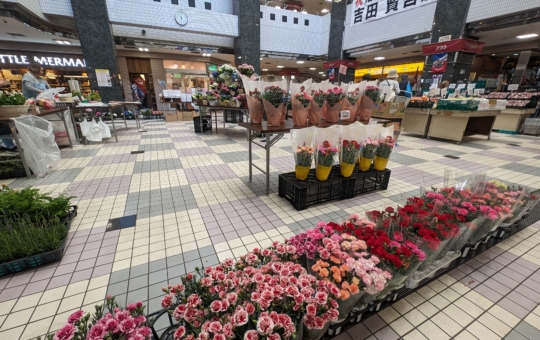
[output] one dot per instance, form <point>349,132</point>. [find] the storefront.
<point>67,70</point>
<point>184,75</point>
<point>380,72</point>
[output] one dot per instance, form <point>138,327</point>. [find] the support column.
<point>247,47</point>
<point>521,67</point>
<point>126,82</point>
<point>335,44</point>
<point>450,19</point>
<point>97,44</point>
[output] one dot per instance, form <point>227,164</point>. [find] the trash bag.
<point>40,150</point>
<point>94,133</point>
<point>105,131</point>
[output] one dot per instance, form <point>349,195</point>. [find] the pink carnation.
<point>65,333</point>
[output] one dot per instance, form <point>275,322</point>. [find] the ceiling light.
<point>265,69</point>
<point>239,57</point>
<point>526,36</point>
<point>279,66</point>
<point>61,42</point>
<point>516,53</point>
<point>379,58</point>
<point>312,68</point>
<point>175,65</point>
<point>183,66</point>
<point>292,77</point>
<point>304,12</point>
<point>278,7</point>
<point>145,49</point>
<point>260,58</point>
<point>493,54</point>
<point>294,10</point>
<point>204,54</point>
<point>300,62</point>
<point>321,72</point>
<point>67,42</point>
<point>324,10</point>
<point>141,49</point>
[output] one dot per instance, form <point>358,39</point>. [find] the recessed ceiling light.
<point>516,53</point>
<point>145,49</point>
<point>493,54</point>
<point>141,49</point>
<point>312,68</point>
<point>260,58</point>
<point>183,66</point>
<point>321,72</point>
<point>175,65</point>
<point>295,10</point>
<point>324,10</point>
<point>239,57</point>
<point>304,12</point>
<point>300,62</point>
<point>67,42</point>
<point>507,57</point>
<point>61,42</point>
<point>526,36</point>
<point>265,69</point>
<point>280,66</point>
<point>379,58</point>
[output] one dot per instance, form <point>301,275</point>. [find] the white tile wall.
<point>289,37</point>
<point>169,35</point>
<point>203,27</point>
<point>31,5</point>
<point>484,9</point>
<point>57,7</point>
<point>221,6</point>
<point>325,34</point>
<point>399,25</point>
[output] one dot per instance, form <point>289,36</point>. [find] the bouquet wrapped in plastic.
<point>274,105</point>
<point>333,104</point>
<point>369,146</point>
<point>300,102</point>
<point>351,104</point>
<point>326,145</point>
<point>349,151</point>
<point>254,101</point>
<point>302,144</point>
<point>387,141</point>
<point>368,101</point>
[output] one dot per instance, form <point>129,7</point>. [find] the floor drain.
<point>121,223</point>
<point>513,144</point>
<point>450,156</point>
<point>137,152</point>
<point>144,131</point>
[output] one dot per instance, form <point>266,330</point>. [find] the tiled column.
<point>126,82</point>
<point>450,19</point>
<point>158,73</point>
<point>97,44</point>
<point>247,47</point>
<point>335,43</point>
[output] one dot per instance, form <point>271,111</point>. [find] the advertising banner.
<point>465,45</point>
<point>439,63</point>
<point>368,10</point>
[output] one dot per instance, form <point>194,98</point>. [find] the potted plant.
<point>212,98</point>
<point>334,99</point>
<point>198,98</point>
<point>300,107</point>
<point>273,104</point>
<point>94,97</point>
<point>315,109</point>
<point>13,105</point>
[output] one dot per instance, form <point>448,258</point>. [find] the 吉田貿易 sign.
<point>368,10</point>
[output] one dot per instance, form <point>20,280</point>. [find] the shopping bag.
<point>105,131</point>
<point>94,133</point>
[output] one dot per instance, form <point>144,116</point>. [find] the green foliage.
<point>274,95</point>
<point>30,202</point>
<point>22,236</point>
<point>12,99</point>
<point>94,96</point>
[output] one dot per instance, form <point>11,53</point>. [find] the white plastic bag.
<point>37,138</point>
<point>105,131</point>
<point>85,126</point>
<point>94,133</point>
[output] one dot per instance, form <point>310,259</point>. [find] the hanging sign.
<point>465,45</point>
<point>368,10</point>
<point>103,77</point>
<point>342,69</point>
<point>336,63</point>
<point>439,63</point>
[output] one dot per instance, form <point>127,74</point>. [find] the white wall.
<point>414,21</point>
<point>288,37</point>
<point>57,7</point>
<point>484,9</point>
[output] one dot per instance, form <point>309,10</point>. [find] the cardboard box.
<point>171,117</point>
<point>389,110</point>
<point>187,115</point>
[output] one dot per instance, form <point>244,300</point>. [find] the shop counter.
<point>512,119</point>
<point>416,121</point>
<point>454,124</point>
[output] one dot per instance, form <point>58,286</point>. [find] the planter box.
<point>303,194</point>
<point>13,110</point>
<point>37,260</point>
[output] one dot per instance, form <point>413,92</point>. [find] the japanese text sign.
<point>466,45</point>
<point>368,10</point>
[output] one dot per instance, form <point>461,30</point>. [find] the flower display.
<point>373,93</point>
<point>334,96</point>
<point>326,154</point>
<point>246,70</point>
<point>304,98</point>
<point>352,97</point>
<point>274,95</point>
<point>304,155</point>
<point>350,151</point>
<point>319,97</point>
<point>386,145</point>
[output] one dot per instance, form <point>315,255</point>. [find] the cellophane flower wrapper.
<point>331,136</point>
<point>370,142</point>
<point>387,141</point>
<point>255,106</point>
<point>302,140</point>
<point>350,133</point>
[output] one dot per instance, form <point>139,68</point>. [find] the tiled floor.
<point>194,206</point>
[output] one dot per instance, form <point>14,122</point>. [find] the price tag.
<point>471,86</point>
<point>346,114</point>
<point>452,86</point>
<point>513,87</point>
<point>461,86</point>
<point>434,92</point>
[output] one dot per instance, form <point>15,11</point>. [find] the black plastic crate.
<point>365,181</point>
<point>233,116</point>
<point>13,174</point>
<point>206,123</point>
<point>303,194</point>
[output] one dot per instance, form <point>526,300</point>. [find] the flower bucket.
<point>315,112</point>
<point>314,334</point>
<point>332,112</point>
<point>364,163</point>
<point>274,115</point>
<point>256,110</point>
<point>299,113</point>
<point>302,172</point>
<point>380,163</point>
<point>364,302</point>
<point>346,306</point>
<point>346,169</point>
<point>352,108</point>
<point>322,172</point>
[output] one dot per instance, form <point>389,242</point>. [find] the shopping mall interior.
<point>256,169</point>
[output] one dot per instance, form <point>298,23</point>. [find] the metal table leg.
<point>269,143</point>
<point>267,147</point>
<point>201,113</point>
<point>250,155</point>
<point>114,128</point>
<point>215,115</point>
<point>19,147</point>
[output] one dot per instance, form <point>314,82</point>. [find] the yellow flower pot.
<point>322,172</point>
<point>364,163</point>
<point>346,169</point>
<point>302,172</point>
<point>380,163</point>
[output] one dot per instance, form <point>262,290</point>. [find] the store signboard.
<point>368,10</point>
<point>18,59</point>
<point>466,45</point>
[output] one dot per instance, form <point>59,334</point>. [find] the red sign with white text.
<point>336,63</point>
<point>465,45</point>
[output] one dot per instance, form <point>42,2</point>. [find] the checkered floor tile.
<point>195,206</point>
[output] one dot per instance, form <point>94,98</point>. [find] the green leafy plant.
<point>23,236</point>
<point>274,95</point>
<point>29,201</point>
<point>318,97</point>
<point>12,99</point>
<point>94,96</point>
